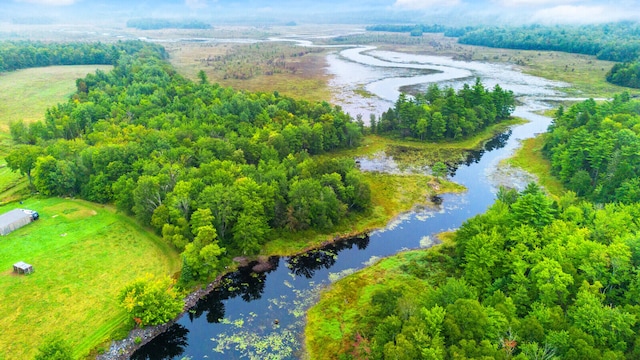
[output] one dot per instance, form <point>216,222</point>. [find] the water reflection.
<point>307,264</point>
<point>474,156</point>
<point>168,345</point>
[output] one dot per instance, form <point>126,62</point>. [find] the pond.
<point>260,315</point>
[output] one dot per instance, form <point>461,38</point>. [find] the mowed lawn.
<point>26,94</point>
<point>83,254</point>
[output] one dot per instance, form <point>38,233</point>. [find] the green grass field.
<point>82,254</point>
<point>26,94</point>
<point>529,158</point>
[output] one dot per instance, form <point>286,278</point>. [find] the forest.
<point>16,55</point>
<point>444,114</point>
<point>593,149</point>
<point>625,74</point>
<point>532,278</point>
<point>211,169</point>
<point>614,42</point>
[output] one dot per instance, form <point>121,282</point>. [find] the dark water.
<point>261,315</point>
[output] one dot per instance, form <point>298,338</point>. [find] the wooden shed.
<point>16,219</point>
<point>22,268</point>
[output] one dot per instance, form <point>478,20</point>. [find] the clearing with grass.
<point>83,254</point>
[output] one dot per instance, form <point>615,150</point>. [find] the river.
<point>261,315</point>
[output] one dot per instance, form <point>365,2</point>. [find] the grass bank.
<point>331,323</point>
<point>83,254</point>
<point>529,157</point>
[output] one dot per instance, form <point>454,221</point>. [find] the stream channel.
<point>261,315</point>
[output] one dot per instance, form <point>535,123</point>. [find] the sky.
<point>456,12</point>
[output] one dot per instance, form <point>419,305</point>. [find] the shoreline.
<point>124,348</point>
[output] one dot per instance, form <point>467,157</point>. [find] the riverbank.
<point>393,196</point>
<point>137,338</point>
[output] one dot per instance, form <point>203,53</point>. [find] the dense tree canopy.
<point>593,149</point>
<point>16,55</point>
<point>212,169</point>
<point>446,114</point>
<point>532,278</point>
<point>625,74</point>
<point>615,41</point>
<point>564,287</point>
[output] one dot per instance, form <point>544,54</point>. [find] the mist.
<point>447,12</point>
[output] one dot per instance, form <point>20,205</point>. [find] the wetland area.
<point>261,314</point>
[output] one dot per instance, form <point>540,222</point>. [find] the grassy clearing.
<point>83,254</point>
<point>529,157</point>
<point>26,94</point>
<point>308,81</point>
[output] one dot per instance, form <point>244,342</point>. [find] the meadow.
<point>82,254</point>
<point>25,95</point>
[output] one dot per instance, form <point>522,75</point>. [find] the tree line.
<point>156,24</point>
<point>418,29</point>
<point>625,74</point>
<point>614,41</point>
<point>212,169</point>
<point>446,114</point>
<point>593,149</point>
<point>16,55</point>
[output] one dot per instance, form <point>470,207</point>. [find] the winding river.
<point>261,315</point>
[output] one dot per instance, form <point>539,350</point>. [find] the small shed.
<point>22,268</point>
<point>15,219</point>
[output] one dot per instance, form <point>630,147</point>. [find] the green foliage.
<point>439,170</point>
<point>54,349</point>
<point>16,55</point>
<point>445,114</point>
<point>530,278</point>
<point>151,300</point>
<point>625,74</point>
<point>23,159</point>
<point>614,41</point>
<point>593,149</point>
<point>183,157</point>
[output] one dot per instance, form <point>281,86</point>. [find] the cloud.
<point>49,2</point>
<point>424,4</point>
<point>515,3</point>
<point>569,14</point>
<point>196,4</point>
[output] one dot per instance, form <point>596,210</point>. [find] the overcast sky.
<point>463,11</point>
